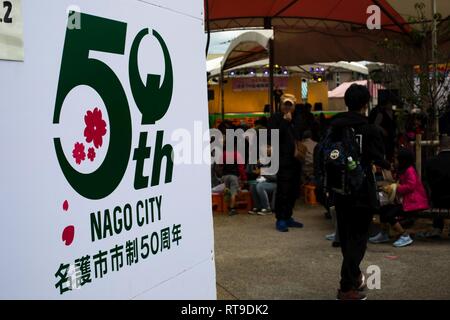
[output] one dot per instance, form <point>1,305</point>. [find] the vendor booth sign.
<point>258,83</point>
<point>93,205</point>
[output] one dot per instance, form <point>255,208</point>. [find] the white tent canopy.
<point>248,47</point>
<point>213,66</point>
<point>352,66</point>
<point>250,50</point>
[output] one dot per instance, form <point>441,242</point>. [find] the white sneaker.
<point>330,237</point>
<point>403,241</point>
<point>379,238</point>
<point>434,234</point>
<point>264,212</point>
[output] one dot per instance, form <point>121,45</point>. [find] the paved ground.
<point>254,261</point>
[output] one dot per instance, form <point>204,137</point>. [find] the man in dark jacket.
<point>304,120</point>
<point>437,179</point>
<point>288,176</point>
<point>444,121</point>
<point>385,118</point>
<point>354,213</point>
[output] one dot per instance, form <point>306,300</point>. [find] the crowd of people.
<point>297,126</point>
<point>378,177</point>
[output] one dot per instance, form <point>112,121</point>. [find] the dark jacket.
<point>371,139</point>
<point>287,140</point>
<point>372,152</point>
<point>304,121</point>
<point>388,124</point>
<point>444,123</point>
<point>437,178</point>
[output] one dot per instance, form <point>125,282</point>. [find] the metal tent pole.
<point>222,92</point>
<point>271,77</point>
<point>434,58</point>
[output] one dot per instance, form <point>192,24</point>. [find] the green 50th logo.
<point>153,100</point>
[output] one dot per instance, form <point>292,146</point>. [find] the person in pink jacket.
<point>411,192</point>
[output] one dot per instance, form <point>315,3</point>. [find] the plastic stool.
<point>217,202</point>
<point>446,230</point>
<point>310,195</point>
<point>243,201</point>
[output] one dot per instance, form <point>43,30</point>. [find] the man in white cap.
<point>288,176</point>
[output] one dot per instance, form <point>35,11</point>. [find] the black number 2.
<point>8,6</point>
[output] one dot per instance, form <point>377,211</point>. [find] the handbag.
<point>300,151</point>
<point>388,198</point>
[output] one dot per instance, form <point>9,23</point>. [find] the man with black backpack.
<point>346,154</point>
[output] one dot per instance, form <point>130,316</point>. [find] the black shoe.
<point>351,295</point>
<point>282,226</point>
<point>361,283</point>
<point>336,244</point>
<point>291,223</point>
<point>232,212</point>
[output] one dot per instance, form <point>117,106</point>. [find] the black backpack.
<point>338,166</point>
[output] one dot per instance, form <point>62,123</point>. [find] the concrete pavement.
<point>254,261</point>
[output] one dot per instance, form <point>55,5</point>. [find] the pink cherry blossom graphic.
<point>66,205</point>
<point>95,127</point>
<point>78,153</point>
<point>91,154</point>
<point>68,235</point>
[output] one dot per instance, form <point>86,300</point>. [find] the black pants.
<point>390,213</point>
<point>288,188</point>
<point>353,222</point>
<point>439,223</point>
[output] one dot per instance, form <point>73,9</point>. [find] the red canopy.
<point>226,14</point>
<point>307,31</point>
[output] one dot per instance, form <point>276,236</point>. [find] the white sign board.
<point>93,204</point>
<point>11,28</point>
